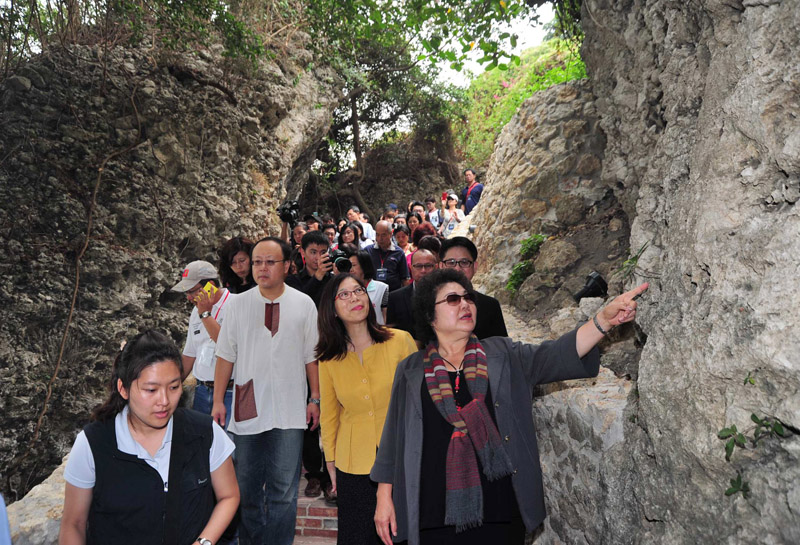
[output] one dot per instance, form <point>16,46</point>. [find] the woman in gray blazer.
<point>458,460</point>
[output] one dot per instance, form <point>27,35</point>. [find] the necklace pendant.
<point>458,381</point>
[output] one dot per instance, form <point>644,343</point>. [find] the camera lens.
<point>343,264</point>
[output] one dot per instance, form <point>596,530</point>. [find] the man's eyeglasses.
<point>424,266</point>
<point>266,262</point>
<point>461,263</point>
<point>347,294</point>
<point>454,299</point>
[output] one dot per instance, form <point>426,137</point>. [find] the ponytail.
<point>140,352</point>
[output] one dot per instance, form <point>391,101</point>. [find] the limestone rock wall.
<point>544,179</point>
<point>699,103</point>
<point>182,154</point>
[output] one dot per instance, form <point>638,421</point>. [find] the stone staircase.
<point>316,520</point>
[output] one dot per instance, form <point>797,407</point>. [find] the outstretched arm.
<point>622,309</point>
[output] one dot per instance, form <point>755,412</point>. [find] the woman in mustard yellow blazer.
<point>357,361</point>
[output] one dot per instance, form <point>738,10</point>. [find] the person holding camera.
<point>317,266</point>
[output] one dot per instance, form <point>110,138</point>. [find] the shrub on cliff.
<point>495,96</point>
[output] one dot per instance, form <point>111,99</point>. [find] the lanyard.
<point>219,308</point>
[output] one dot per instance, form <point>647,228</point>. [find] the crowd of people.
<point>361,353</point>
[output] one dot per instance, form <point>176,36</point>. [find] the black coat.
<point>400,313</point>
<point>490,317</point>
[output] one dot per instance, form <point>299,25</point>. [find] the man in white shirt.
<point>201,338</point>
<point>267,345</point>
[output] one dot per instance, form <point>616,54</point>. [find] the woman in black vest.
<point>146,471</point>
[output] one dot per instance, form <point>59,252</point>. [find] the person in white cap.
<point>204,325</point>
<point>452,216</point>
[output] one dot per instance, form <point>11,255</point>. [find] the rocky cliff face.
<point>699,103</point>
<point>164,158</point>
<point>699,106</point>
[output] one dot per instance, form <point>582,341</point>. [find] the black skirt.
<point>356,503</point>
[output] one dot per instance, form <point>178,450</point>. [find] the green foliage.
<point>519,273</point>
<point>530,246</point>
<point>738,485</point>
<point>523,269</point>
<point>628,268</point>
<point>441,32</point>
<point>765,427</point>
<point>29,27</point>
<point>495,96</point>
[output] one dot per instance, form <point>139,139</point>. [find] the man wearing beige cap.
<point>200,283</point>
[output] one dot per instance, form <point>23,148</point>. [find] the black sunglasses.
<point>454,299</point>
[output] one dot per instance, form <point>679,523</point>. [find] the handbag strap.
<point>172,515</point>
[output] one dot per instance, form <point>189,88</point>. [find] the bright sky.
<point>529,35</point>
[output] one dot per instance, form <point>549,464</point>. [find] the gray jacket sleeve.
<point>553,361</point>
<point>383,471</point>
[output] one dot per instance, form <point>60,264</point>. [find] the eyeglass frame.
<point>265,262</point>
<point>348,294</point>
<point>457,263</point>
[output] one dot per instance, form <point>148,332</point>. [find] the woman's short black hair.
<point>226,254</point>
<point>424,301</point>
<point>366,264</point>
<point>402,228</point>
<point>333,337</point>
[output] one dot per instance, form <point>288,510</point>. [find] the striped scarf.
<point>474,433</point>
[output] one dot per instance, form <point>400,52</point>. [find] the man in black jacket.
<point>461,253</point>
<point>399,313</point>
<point>311,280</point>
<point>317,271</point>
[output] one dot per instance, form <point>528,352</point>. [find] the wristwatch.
<point>204,541</point>
<point>203,316</point>
<point>314,400</point>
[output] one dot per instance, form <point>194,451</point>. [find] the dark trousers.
<point>313,458</point>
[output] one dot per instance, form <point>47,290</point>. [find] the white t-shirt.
<point>276,364</point>
<point>80,471</point>
<point>451,220</point>
<point>198,343</point>
<point>434,219</point>
<point>369,230</point>
<point>379,297</point>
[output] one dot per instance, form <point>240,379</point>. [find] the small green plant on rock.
<point>530,246</point>
<point>629,266</point>
<point>764,427</point>
<point>522,270</point>
<point>519,273</point>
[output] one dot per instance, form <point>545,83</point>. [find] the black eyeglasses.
<point>454,299</point>
<point>462,263</point>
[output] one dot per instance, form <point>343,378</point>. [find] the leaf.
<point>729,446</point>
<point>514,41</point>
<point>502,66</point>
<point>740,440</point>
<point>724,433</point>
<point>755,418</point>
<point>777,427</point>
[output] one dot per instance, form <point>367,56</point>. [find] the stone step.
<point>316,520</point>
